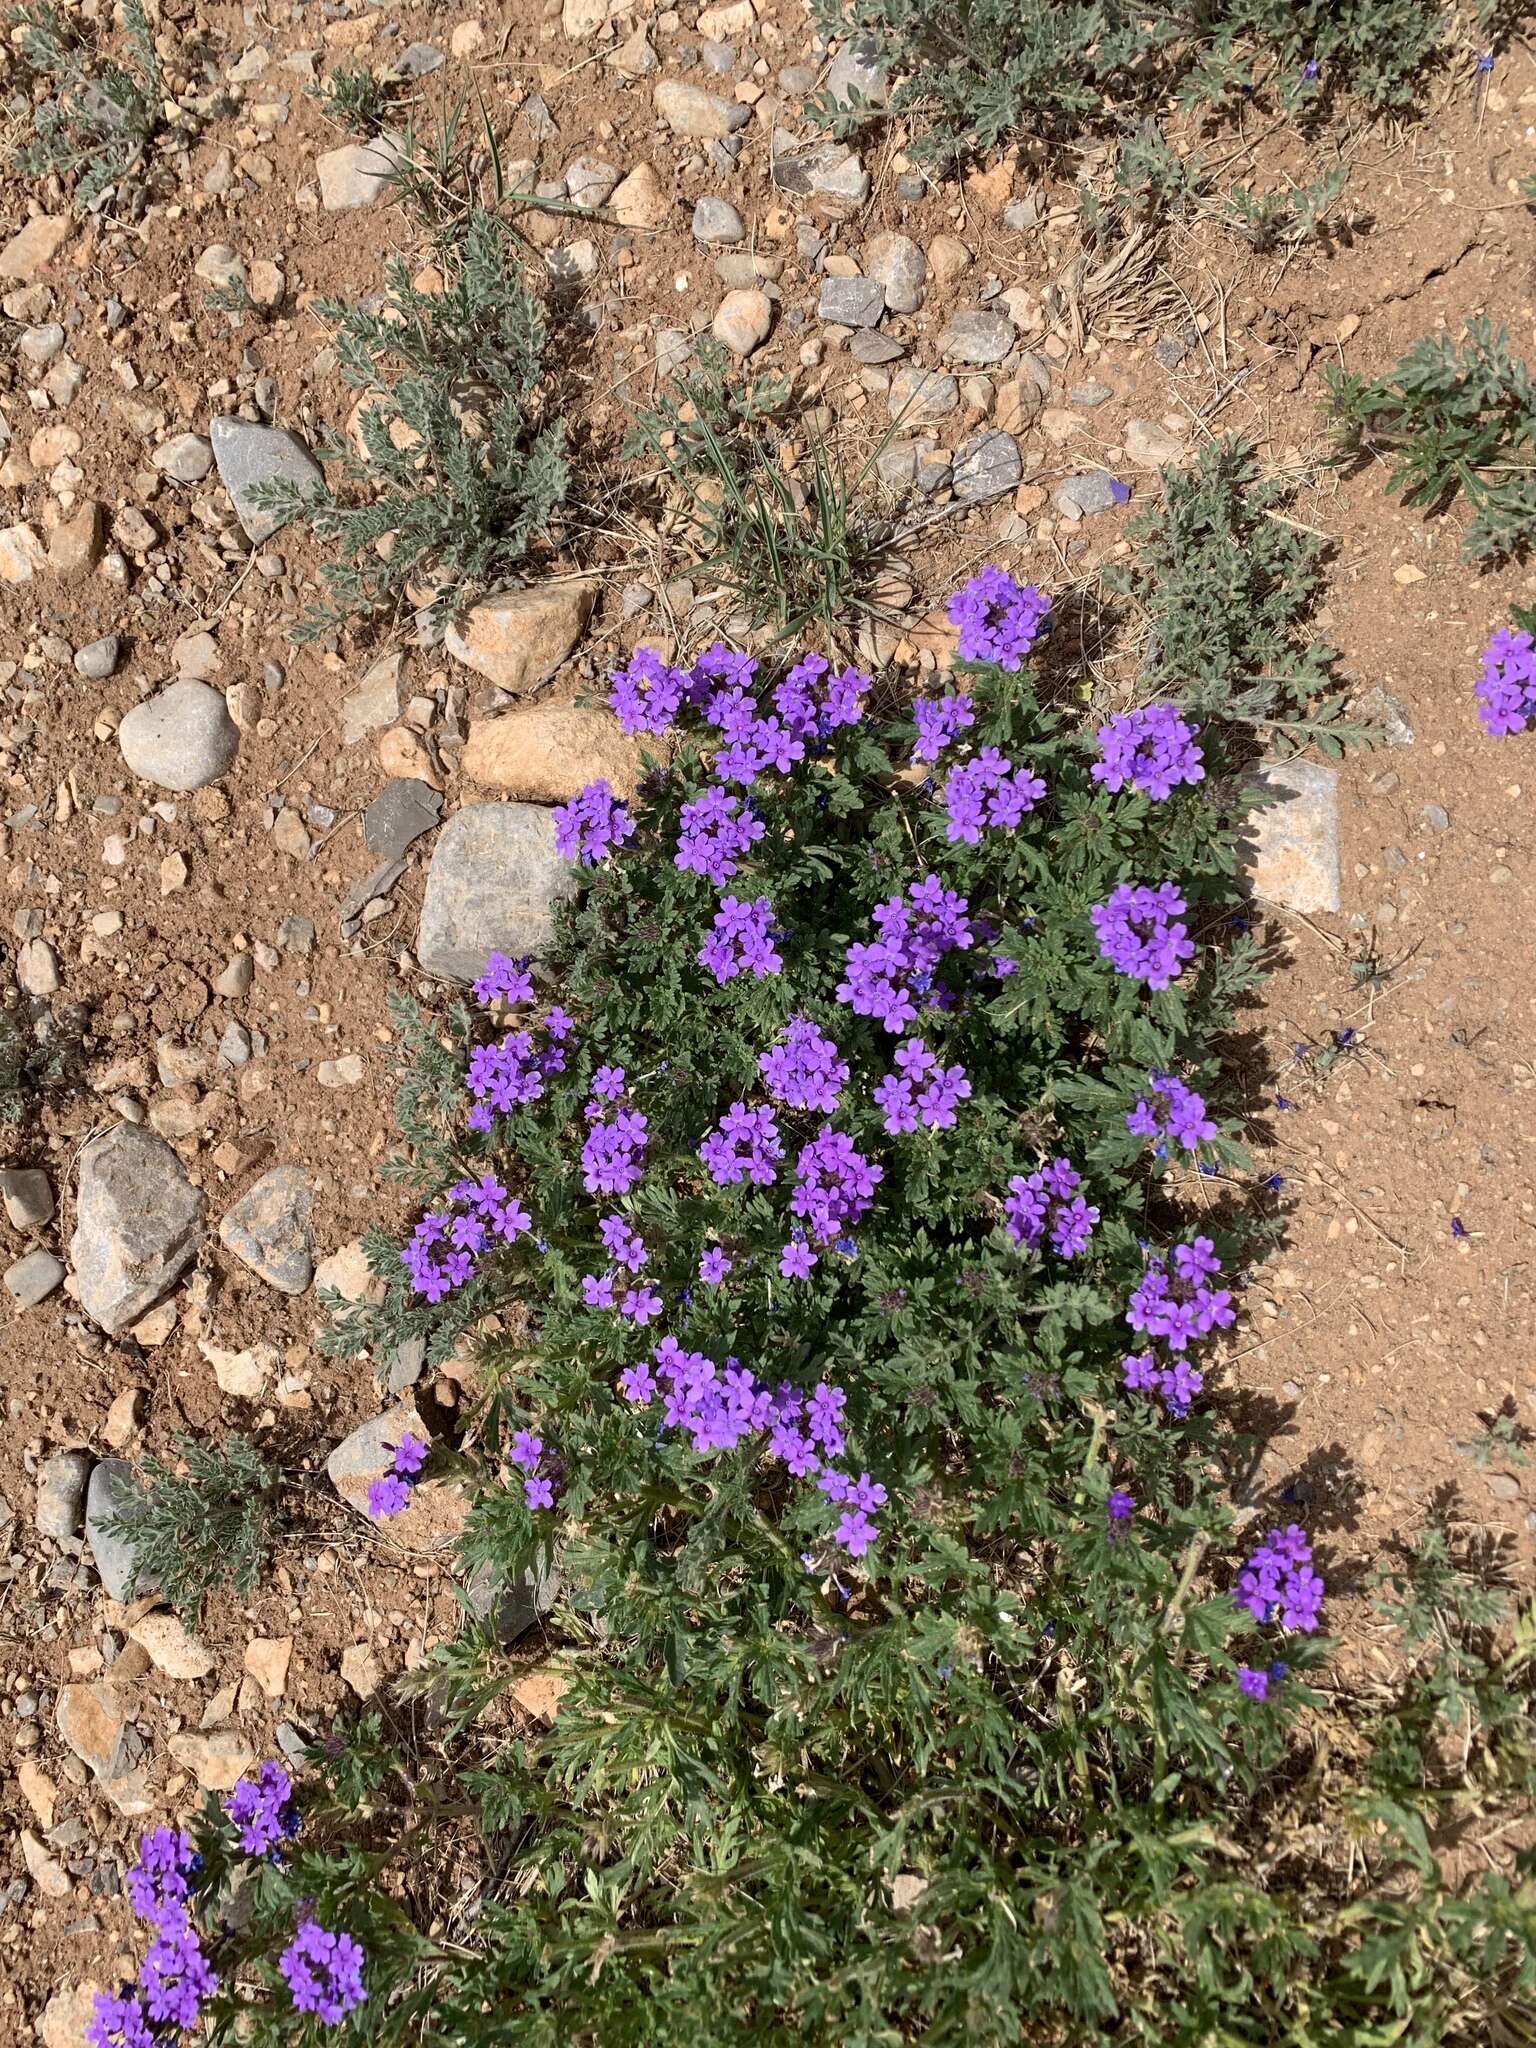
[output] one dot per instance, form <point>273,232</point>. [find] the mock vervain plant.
<point>99,116</point>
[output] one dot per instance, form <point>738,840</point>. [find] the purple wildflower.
<point>538,1492</point>
<point>884,978</point>
<point>390,1495</point>
<point>262,1808</point>
<point>610,1158</point>
<point>741,938</point>
<point>1170,1110</point>
<point>714,831</point>
<point>1278,1581</point>
<point>923,1092</point>
<point>1180,1305</point>
<point>856,1533</point>
<point>174,1975</point>
<point>504,981</point>
<point>119,2022</point>
<point>1153,748</point>
<point>324,1972</point>
<point>999,620</point>
<point>987,791</point>
<point>159,1879</point>
<point>1506,694</point>
<point>745,1145</point>
<point>592,824</point>
<point>797,1259</point>
<point>646,696</point>
<point>714,1266</point>
<point>641,1305</point>
<point>805,1071</point>
<point>1047,1201</point>
<point>410,1455</point>
<point>527,1449</point>
<point>939,720</point>
<point>1121,1505</point>
<point>1141,932</point>
<point>834,1184</point>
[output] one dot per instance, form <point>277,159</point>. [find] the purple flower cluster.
<point>119,2022</point>
<point>610,1157</point>
<point>745,1145</point>
<point>714,831</point>
<point>174,1977</point>
<point>1278,1581</point>
<point>444,1249</point>
<point>1170,1111</point>
<point>592,824</point>
<point>511,1073</point>
<point>805,1071</point>
<point>324,1972</point>
<point>834,1185</point>
<point>157,1883</point>
<point>812,702</point>
<point>1256,1684</point>
<point>527,1453</point>
<point>885,978</point>
<point>1047,1201</point>
<point>940,720</point>
<point>999,620</point>
<point>1181,1305</point>
<point>741,938</point>
<point>987,790</point>
<point>263,1807</point>
<point>647,695</point>
<point>1152,748</point>
<point>922,1093</point>
<point>1506,694</point>
<point>1175,1385</point>
<point>389,1495</point>
<point>504,981</point>
<point>1142,933</point>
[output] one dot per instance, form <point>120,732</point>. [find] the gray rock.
<point>918,396</point>
<point>852,301</point>
<point>185,458</point>
<point>268,1229</point>
<point>589,181</point>
<point>358,173</point>
<point>33,1278</point>
<point>375,702</point>
<point>138,1224</point>
<point>1293,842</point>
<point>373,885</point>
<point>1091,395</point>
<point>61,1488</point>
<point>900,265</point>
<point>1436,817</point>
<point>398,816</point>
<point>406,1364</point>
<point>977,338</point>
<point>830,172</point>
<point>37,968</point>
<point>1170,351</point>
<point>1378,707</point>
<point>1151,445</point>
<point>113,1491</point>
<point>419,61</point>
<point>234,1044</point>
<point>296,935</point>
<point>690,110</point>
<point>250,456</point>
<point>492,887</point>
<point>719,57</point>
<point>234,984</point>
<point>717,223</point>
<point>1021,214</point>
<point>27,1194</point>
<point>1092,492</point>
<point>182,738</point>
<point>857,76</point>
<point>97,659</point>
<point>512,1607</point>
<point>986,466</point>
<point>896,465</point>
<point>868,346</point>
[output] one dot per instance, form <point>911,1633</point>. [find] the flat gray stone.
<point>249,455</point>
<point>268,1229</point>
<point>830,172</point>
<point>184,458</point>
<point>114,1491</point>
<point>918,396</point>
<point>398,816</point>
<point>358,173</point>
<point>717,223</point>
<point>986,466</point>
<point>27,1194</point>
<point>977,338</point>
<point>379,883</point>
<point>61,1488</point>
<point>1293,844</point>
<point>97,658</point>
<point>512,1606</point>
<point>181,738</point>
<point>857,76</point>
<point>33,1278</point>
<point>493,885</point>
<point>1087,494</point>
<point>852,301</point>
<point>138,1224</point>
<point>898,263</point>
<point>869,346</point>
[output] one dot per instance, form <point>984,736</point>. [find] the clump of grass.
<point>1456,417</point>
<point>15,1061</point>
<point>791,556</point>
<point>354,99</point>
<point>213,1525</point>
<point>100,117</point>
<point>463,465</point>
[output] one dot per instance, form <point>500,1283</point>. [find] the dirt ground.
<point>1377,1345</point>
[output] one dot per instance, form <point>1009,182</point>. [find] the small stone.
<point>690,110</point>
<point>360,1670</point>
<point>219,265</point>
<point>170,1649</point>
<point>347,1273</point>
<point>33,1278</point>
<point>375,703</point>
<point>1294,857</point>
<point>347,1072</point>
<point>732,18</point>
<point>27,1194</point>
<point>638,200</point>
<point>492,886</point>
<point>296,935</point>
<point>918,396</point>
<point>948,258</point>
<point>185,458</point>
<point>357,174</point>
<point>634,58</point>
<point>45,1871</point>
<point>977,338</point>
<point>852,301</point>
<point>1087,494</point>
<point>234,983</point>
<point>1436,817</point>
<point>138,1224</point>
<point>33,246</point>
<point>857,77</point>
<point>1170,351</point>
<point>402,812</point>
<point>267,1659</point>
<point>582,18</point>
<point>67,2014</point>
<point>1378,707</point>
<point>897,262</point>
<point>1149,445</point>
<point>37,968</point>
<point>268,1229</point>
<point>97,659</point>
<point>547,753</point>
<point>540,1694</point>
<point>742,321</point>
<point>75,546</point>
<point>182,738</point>
<point>420,60</point>
<point>830,172</point>
<point>870,346</point>
<point>112,1493</point>
<point>290,836</point>
<point>1091,395</point>
<point>987,466</point>
<point>218,1759</point>
<point>243,1375</point>
<point>21,554</point>
<point>589,181</point>
<point>717,224</point>
<point>125,1417</point>
<point>94,1722</point>
<point>518,639</point>
<point>250,457</point>
<point>61,1488</point>
<point>437,1509</point>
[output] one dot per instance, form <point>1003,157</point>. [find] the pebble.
<point>27,1194</point>
<point>234,983</point>
<point>589,181</point>
<point>268,1229</point>
<point>518,639</point>
<point>61,1485</point>
<point>918,396</point>
<point>37,968</point>
<point>98,658</point>
<point>1294,843</point>
<point>39,345</point>
<point>249,456</point>
<point>181,739</point>
<point>852,301</point>
<point>831,172</point>
<point>690,110</point>
<point>638,200</point>
<point>1436,817</point>
<point>870,346</point>
<point>948,258</point>
<point>742,321</point>
<point>977,338</point>
<point>492,886</point>
<point>185,458</point>
<point>1091,394</point>
<point>857,77</point>
<point>717,223</point>
<point>897,262</point>
<point>1150,445</point>
<point>1087,494</point>
<point>986,466</point>
<point>138,1224</point>
<point>113,1492</point>
<point>33,1277</point>
<point>357,174</point>
<point>399,815</point>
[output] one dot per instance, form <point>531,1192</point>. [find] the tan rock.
<point>170,1648</point>
<point>742,321</point>
<point>21,554</point>
<point>267,1659</point>
<point>348,1273</point>
<point>33,247</point>
<point>403,753</point>
<point>638,200</point>
<point>64,2019</point>
<point>545,753</point>
<point>948,258</point>
<point>130,1793</point>
<point>357,174</point>
<point>93,1720</point>
<point>540,1693</point>
<point>38,1790</point>
<point>991,189</point>
<point>45,1870</point>
<point>244,1374</point>
<point>519,638</point>
<point>360,1670</point>
<point>217,1759</point>
<point>124,1418</point>
<point>375,702</point>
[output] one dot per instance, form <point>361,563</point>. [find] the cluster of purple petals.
<point>719,1407</point>
<point>1506,694</point>
<point>812,701</point>
<point>388,1495</point>
<point>1176,1385</point>
<point>592,824</point>
<point>939,720</point>
<point>504,981</point>
<point>157,1883</point>
<point>1046,1203</point>
<point>999,620</point>
<point>511,1073</point>
<point>1278,1582</point>
<point>834,1184</point>
<point>887,978</point>
<point>263,1807</point>
<point>323,1972</point>
<point>714,831</point>
<point>1181,1304</point>
<point>119,2022</point>
<point>1256,1684</point>
<point>923,1092</point>
<point>741,939</point>
<point>805,1071</point>
<point>1170,1112</point>
<point>1142,933</point>
<point>1152,748</point>
<point>745,1145</point>
<point>610,1156</point>
<point>986,791</point>
<point>527,1454</point>
<point>444,1249</point>
<point>647,695</point>
<point>174,1977</point>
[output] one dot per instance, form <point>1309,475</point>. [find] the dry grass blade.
<point>1118,295</point>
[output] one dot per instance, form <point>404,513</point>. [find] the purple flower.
<point>608,1084</point>
<point>999,620</point>
<point>805,1071</point>
<point>986,791</point>
<point>1506,695</point>
<point>855,1532</point>
<point>1141,932</point>
<point>1121,1505</point>
<point>444,1248</point>
<point>715,830</point>
<point>1170,1111</point>
<point>1254,1683</point>
<point>263,1809</point>
<point>1047,1201</point>
<point>923,1092</point>
<point>939,720</point>
<point>504,981</point>
<point>1152,748</point>
<point>610,1158</point>
<point>527,1449</point>
<point>324,1972</point>
<point>159,1879</point>
<point>410,1455</point>
<point>883,979</point>
<point>1278,1582</point>
<point>741,938</point>
<point>174,1975</point>
<point>811,702</point>
<point>119,2023</point>
<point>834,1184</point>
<point>638,1384</point>
<point>646,696</point>
<point>623,1244</point>
<point>597,1289</point>
<point>714,1266</point>
<point>1179,1306</point>
<point>641,1305</point>
<point>538,1493</point>
<point>797,1259</point>
<point>390,1495</point>
<point>592,824</point>
<point>745,1145</point>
